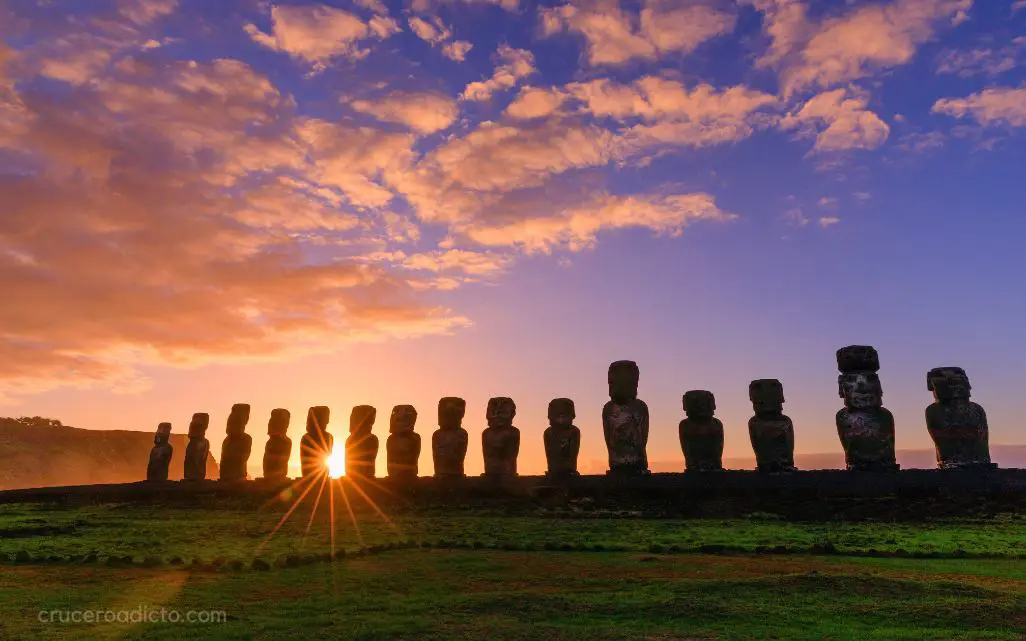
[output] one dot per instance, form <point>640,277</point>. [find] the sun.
<point>336,463</point>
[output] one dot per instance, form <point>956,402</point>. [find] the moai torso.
<point>160,455</point>
<point>562,439</point>
<point>316,444</point>
<point>402,449</point>
<point>865,427</point>
<point>278,449</point>
<point>772,432</point>
<point>625,421</point>
<point>701,434</point>
<point>501,441</point>
<point>449,441</point>
<point>957,426</point>
<point>237,445</point>
<point>362,445</point>
<point>198,448</point>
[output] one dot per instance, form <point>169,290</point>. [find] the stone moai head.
<point>278,424</point>
<point>860,390</point>
<point>317,420</point>
<point>500,412</point>
<point>699,403</point>
<point>767,395</point>
<point>858,358</point>
<point>451,410</point>
<point>623,381</point>
<point>237,419</point>
<point>403,419</point>
<point>163,435</point>
<point>948,384</point>
<point>562,412</point>
<point>198,425</point>
<point>361,419</point>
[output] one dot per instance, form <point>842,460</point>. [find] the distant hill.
<point>41,452</point>
<point>1008,456</point>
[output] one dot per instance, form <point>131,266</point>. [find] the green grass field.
<point>486,576</point>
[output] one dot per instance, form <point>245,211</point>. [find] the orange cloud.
<point>423,112</point>
<point>535,102</point>
<point>318,33</point>
<point>514,64</point>
<point>614,37</point>
<point>839,120</point>
<point>995,106</point>
<point>836,50</point>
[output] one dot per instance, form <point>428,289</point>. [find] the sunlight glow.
<point>336,463</point>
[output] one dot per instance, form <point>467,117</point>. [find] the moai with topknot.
<point>160,455</point>
<point>279,446</point>
<point>449,441</point>
<point>362,445</point>
<point>198,449</point>
<point>316,444</point>
<point>625,421</point>
<point>237,445</point>
<point>772,432</point>
<point>865,426</point>
<point>403,445</point>
<point>562,439</point>
<point>500,441</point>
<point>701,433</point>
<point>957,426</point>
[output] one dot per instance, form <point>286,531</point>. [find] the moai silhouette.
<point>237,445</point>
<point>562,439</point>
<point>865,427</point>
<point>957,425</point>
<point>362,445</point>
<point>701,434</point>
<point>772,432</point>
<point>160,455</point>
<point>625,421</point>
<point>198,449</point>
<point>402,448</point>
<point>500,441</point>
<point>449,441</point>
<point>316,444</point>
<point>279,446</point>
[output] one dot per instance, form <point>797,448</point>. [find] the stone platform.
<point>805,495</point>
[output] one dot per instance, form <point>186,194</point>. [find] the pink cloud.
<point>514,64</point>
<point>839,120</point>
<point>994,106</point>
<point>423,112</point>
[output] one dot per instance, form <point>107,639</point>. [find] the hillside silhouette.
<point>42,452</point>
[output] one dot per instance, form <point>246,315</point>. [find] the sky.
<point>386,202</point>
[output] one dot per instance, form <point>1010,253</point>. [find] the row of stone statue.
<point>866,430</point>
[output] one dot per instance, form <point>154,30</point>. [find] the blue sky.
<point>300,203</point>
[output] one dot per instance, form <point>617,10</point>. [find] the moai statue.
<point>160,455</point>
<point>625,421</point>
<point>957,426</point>
<point>865,427</point>
<point>562,439</point>
<point>198,449</point>
<point>500,441</point>
<point>449,442</point>
<point>237,445</point>
<point>362,445</point>
<point>279,446</point>
<point>772,432</point>
<point>316,444</point>
<point>701,434</point>
<point>403,445</point>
